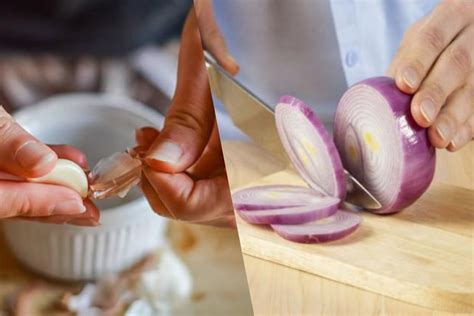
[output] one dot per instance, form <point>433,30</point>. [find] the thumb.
<point>184,136</point>
<point>190,119</point>
<point>20,153</point>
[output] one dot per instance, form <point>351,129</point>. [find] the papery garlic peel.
<point>68,174</point>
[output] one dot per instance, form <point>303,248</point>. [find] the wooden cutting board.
<point>423,255</point>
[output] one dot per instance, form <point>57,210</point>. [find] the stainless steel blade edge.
<point>257,120</point>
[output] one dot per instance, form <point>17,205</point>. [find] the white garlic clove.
<point>68,174</point>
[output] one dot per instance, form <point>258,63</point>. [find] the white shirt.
<point>369,32</point>
<point>314,49</point>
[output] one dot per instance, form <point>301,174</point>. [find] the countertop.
<point>212,254</point>
<point>279,290</point>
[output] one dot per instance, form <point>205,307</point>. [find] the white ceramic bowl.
<point>99,125</point>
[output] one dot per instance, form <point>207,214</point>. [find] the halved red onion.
<point>309,147</point>
<point>267,197</point>
<point>339,225</point>
<point>381,144</point>
<point>318,209</point>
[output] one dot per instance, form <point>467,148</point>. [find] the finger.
<point>448,74</point>
<point>189,200</point>
<point>391,71</point>
<point>63,151</point>
<point>463,136</point>
<point>20,153</point>
<point>182,139</point>
<point>10,177</point>
<point>211,162</point>
<point>427,43</point>
<point>212,38</point>
<point>154,199</point>
<point>33,200</point>
<point>189,121</point>
<point>90,218</point>
<point>458,108</point>
<point>71,153</point>
<point>145,136</point>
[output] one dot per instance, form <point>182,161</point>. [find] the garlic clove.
<point>68,174</point>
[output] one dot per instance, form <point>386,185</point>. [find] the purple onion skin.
<point>313,238</point>
<point>245,206</point>
<point>293,218</point>
<point>340,191</point>
<point>255,207</point>
<point>419,156</point>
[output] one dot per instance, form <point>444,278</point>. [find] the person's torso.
<point>314,49</point>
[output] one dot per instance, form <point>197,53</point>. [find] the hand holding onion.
<point>23,157</point>
<point>375,138</point>
<point>435,62</point>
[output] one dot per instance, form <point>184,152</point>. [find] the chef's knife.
<point>257,119</point>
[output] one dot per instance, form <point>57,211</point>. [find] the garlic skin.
<point>170,283</point>
<point>115,176</point>
<point>66,173</point>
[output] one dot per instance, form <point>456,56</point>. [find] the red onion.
<point>381,144</point>
<point>273,196</point>
<point>318,209</point>
<point>292,210</point>
<point>335,227</point>
<point>309,147</point>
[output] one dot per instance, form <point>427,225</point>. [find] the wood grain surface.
<point>425,253</point>
<point>456,168</point>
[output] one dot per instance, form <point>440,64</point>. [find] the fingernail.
<point>456,140</point>
<point>138,132</point>
<point>34,155</point>
<point>168,152</point>
<point>428,110</point>
<point>69,207</point>
<point>231,59</point>
<point>410,77</point>
<point>234,63</point>
<point>453,143</point>
<point>443,130</point>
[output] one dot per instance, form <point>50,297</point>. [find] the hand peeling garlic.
<point>112,176</point>
<point>68,174</point>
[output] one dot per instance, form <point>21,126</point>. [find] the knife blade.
<point>257,120</point>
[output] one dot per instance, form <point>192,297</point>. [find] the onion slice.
<point>309,147</point>
<point>339,225</point>
<point>318,209</point>
<point>381,144</point>
<point>273,197</point>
